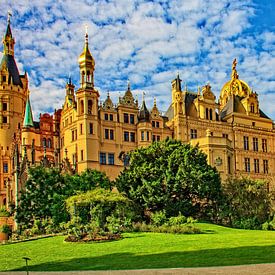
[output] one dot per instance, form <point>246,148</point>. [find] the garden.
<point>168,208</point>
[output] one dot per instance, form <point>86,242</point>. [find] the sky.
<point>145,42</point>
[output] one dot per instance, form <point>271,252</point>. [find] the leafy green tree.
<point>171,176</point>
<point>47,189</point>
<point>248,203</point>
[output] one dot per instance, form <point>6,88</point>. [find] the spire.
<point>8,41</point>
<point>144,115</point>
<point>28,119</point>
<point>86,64</point>
<point>234,74</point>
<point>178,82</point>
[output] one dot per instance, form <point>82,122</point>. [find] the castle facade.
<point>236,135</point>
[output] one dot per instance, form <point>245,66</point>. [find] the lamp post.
<point>27,267</point>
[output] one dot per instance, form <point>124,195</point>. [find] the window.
<point>193,133</point>
<point>82,155</point>
<point>256,166</point>
<point>265,162</point>
<point>264,145</point>
<point>206,113</point>
<point>49,143</point>
<point>126,160</point>
<point>157,124</point>
<point>142,135</point>
<point>81,107</point>
<point>225,135</point>
<point>102,158</point>
<point>246,143</point>
<point>158,138</point>
<point>229,165</point>
<point>4,78</point>
<point>252,108</point>
<point>5,119</point>
<point>106,133</point>
<point>111,159</point>
<point>132,119</point>
<point>210,114</point>
<point>106,116</point>
<point>111,117</point>
<point>255,144</point>
<point>5,167</point>
<point>91,129</point>
<point>132,137</point>
<point>111,134</point>
<point>81,129</point>
<point>148,135</point>
<point>126,136</point>
<point>247,164</point>
<point>5,106</point>
<point>153,124</point>
<point>43,142</point>
<point>253,123</point>
<point>126,118</point>
<point>90,105</point>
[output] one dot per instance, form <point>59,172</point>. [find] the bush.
<point>5,229</point>
<point>158,218</point>
<point>4,212</point>
<point>247,223</point>
<point>180,219</point>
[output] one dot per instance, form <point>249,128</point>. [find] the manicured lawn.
<point>217,247</point>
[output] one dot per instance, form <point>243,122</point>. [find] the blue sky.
<point>147,42</point>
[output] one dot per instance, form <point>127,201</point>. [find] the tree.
<point>170,176</point>
<point>248,202</point>
<point>46,190</point>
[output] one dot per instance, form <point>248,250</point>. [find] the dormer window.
<point>4,79</point>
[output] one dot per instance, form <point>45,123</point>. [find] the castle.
<point>237,137</point>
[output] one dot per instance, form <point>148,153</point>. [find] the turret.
<point>86,66</point>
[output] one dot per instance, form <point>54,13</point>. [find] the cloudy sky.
<point>147,42</point>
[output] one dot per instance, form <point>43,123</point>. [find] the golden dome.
<point>85,56</point>
<point>234,86</point>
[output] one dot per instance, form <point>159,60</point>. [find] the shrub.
<point>158,218</point>
<point>180,219</point>
<point>4,212</point>
<point>5,229</point>
<point>246,223</point>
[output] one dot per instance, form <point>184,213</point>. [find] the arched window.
<point>88,79</point>
<point>44,143</point>
<point>90,105</point>
<point>206,113</point>
<point>81,107</point>
<point>252,108</point>
<point>83,77</point>
<point>4,201</point>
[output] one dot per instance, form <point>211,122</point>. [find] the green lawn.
<point>217,247</point>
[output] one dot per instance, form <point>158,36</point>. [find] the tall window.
<point>111,117</point>
<point>111,134</point>
<point>126,118</point>
<point>229,165</point>
<point>210,114</point>
<point>142,135</point>
<point>132,119</point>
<point>49,143</point>
<point>102,158</point>
<point>265,164</point>
<point>106,133</point>
<point>132,137</point>
<point>148,135</point>
<point>153,124</point>
<point>91,129</point>
<point>82,155</point>
<point>252,108</point>
<point>5,167</point>
<point>5,106</point>
<point>81,107</point>
<point>157,124</point>
<point>247,164</point>
<point>256,166</point>
<point>106,116</point>
<point>126,136</point>
<point>111,159</point>
<point>5,119</point>
<point>193,133</point>
<point>90,106</point>
<point>264,144</point>
<point>206,113</point>
<point>81,129</point>
<point>246,143</point>
<point>255,144</point>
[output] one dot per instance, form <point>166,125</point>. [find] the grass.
<point>219,246</point>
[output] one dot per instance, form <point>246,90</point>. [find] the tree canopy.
<point>170,176</point>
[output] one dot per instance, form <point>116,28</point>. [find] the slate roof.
<point>144,114</point>
<point>12,69</point>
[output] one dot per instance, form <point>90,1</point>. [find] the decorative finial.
<point>9,16</point>
<point>155,102</point>
<point>143,95</point>
<point>178,74</point>
<point>86,33</point>
<point>70,79</point>
<point>108,94</point>
<point>185,86</point>
<point>234,74</point>
<point>128,85</point>
<point>199,91</point>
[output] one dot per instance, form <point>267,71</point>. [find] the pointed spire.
<point>8,31</point>
<point>234,74</point>
<point>28,119</point>
<point>144,114</point>
<point>178,82</point>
